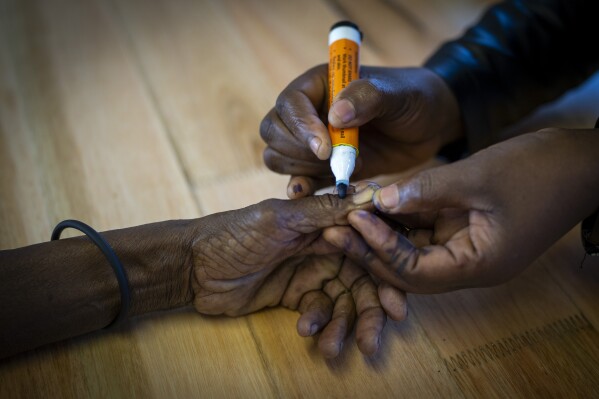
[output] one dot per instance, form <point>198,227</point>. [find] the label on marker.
<point>344,64</point>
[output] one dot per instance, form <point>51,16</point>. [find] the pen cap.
<point>345,30</point>
<point>343,162</point>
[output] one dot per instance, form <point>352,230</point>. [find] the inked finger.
<point>303,186</point>
<point>393,258</point>
<point>383,240</point>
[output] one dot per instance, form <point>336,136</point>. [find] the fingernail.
<point>343,111</point>
<point>315,143</point>
<point>313,329</point>
<point>387,197</point>
<point>365,195</point>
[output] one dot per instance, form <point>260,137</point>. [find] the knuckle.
<point>272,160</point>
<point>285,102</point>
<point>420,187</point>
<point>266,211</point>
<point>371,93</point>
<point>403,261</point>
<point>266,128</point>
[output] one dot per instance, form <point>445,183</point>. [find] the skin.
<point>230,263</point>
<point>479,221</point>
<point>405,116</point>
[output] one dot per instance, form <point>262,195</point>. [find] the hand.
<point>480,221</point>
<point>329,291</point>
<point>245,260</point>
<point>407,114</point>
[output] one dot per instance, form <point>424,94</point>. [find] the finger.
<point>310,276</point>
<point>370,314</point>
<point>298,108</point>
<point>382,239</point>
<point>448,186</point>
<point>334,289</point>
<point>303,186</point>
<point>278,137</point>
<point>282,164</point>
<point>311,214</point>
<point>393,258</point>
<point>333,336</point>
<point>362,101</point>
<point>364,184</point>
<point>347,240</point>
<point>394,301</point>
<point>316,309</point>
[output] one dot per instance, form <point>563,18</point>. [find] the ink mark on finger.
<point>297,189</point>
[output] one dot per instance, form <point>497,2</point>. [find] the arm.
<point>482,220</point>
<point>229,263</point>
<point>520,55</point>
<point>60,289</point>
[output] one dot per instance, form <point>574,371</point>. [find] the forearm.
<point>518,56</point>
<point>56,290</point>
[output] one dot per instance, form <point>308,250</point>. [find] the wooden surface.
<point>126,112</point>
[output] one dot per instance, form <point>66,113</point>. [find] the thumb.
<point>448,186</point>
<point>360,102</point>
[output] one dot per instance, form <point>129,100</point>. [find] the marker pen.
<point>344,65</point>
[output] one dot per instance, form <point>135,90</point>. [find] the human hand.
<point>405,114</point>
<point>480,221</point>
<point>330,292</point>
<point>273,253</point>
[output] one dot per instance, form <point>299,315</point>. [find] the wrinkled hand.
<point>407,114</point>
<point>480,221</point>
<point>331,291</point>
<point>256,257</point>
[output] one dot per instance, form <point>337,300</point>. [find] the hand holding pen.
<point>405,116</point>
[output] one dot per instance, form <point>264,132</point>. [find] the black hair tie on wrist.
<point>114,261</point>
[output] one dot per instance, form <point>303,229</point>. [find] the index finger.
<point>298,107</point>
<point>394,259</point>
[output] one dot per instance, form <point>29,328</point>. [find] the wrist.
<point>157,259</point>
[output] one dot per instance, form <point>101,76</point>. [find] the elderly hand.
<point>406,115</point>
<point>273,253</point>
<point>480,221</point>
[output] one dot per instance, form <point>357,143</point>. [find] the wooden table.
<point>121,113</point>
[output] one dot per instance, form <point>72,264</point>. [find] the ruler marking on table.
<point>501,348</point>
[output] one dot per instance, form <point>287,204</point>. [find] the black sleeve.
<point>519,55</point>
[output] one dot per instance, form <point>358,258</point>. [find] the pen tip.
<point>342,190</point>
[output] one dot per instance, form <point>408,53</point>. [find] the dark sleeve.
<point>520,55</point>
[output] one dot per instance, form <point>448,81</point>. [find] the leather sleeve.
<point>520,55</point>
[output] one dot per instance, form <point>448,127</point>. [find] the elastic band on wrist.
<point>114,261</point>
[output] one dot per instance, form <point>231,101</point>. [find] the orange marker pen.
<point>344,65</point>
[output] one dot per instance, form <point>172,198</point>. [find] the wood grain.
<point>124,112</point>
